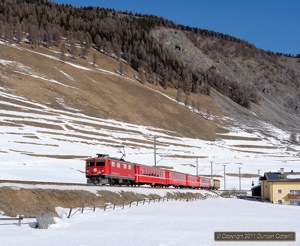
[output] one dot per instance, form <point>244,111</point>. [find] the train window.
<point>100,163</point>
<point>118,165</point>
<point>129,166</point>
<point>125,166</point>
<point>90,163</point>
<point>113,164</point>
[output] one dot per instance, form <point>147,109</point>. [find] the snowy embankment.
<point>169,223</point>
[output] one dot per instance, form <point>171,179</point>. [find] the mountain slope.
<point>276,79</point>
<point>40,76</point>
<point>54,114</point>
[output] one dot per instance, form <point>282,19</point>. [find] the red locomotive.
<point>107,170</point>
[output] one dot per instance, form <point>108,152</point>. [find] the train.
<point>106,170</point>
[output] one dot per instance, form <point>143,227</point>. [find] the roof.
<point>281,177</point>
<point>256,187</point>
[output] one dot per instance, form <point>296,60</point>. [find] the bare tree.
<point>73,49</point>
<point>193,105</point>
<point>94,59</point>
<point>121,66</point>
<point>293,138</point>
<point>178,96</point>
<point>198,107</point>
<point>142,76</point>
<point>63,51</point>
<point>186,101</point>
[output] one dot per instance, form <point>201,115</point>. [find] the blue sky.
<point>268,24</point>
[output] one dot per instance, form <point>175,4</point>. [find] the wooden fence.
<point>19,219</point>
<point>105,207</point>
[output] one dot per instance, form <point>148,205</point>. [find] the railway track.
<point>84,185</point>
<point>74,184</point>
<point>43,183</point>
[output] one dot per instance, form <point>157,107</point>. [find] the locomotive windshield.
<point>90,163</point>
<point>100,163</point>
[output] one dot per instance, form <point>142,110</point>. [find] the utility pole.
<point>258,170</point>
<point>239,178</point>
<point>197,167</point>
<point>224,178</point>
<point>154,151</point>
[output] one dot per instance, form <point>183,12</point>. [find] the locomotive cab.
<point>96,168</point>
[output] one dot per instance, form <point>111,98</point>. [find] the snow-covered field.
<point>162,224</point>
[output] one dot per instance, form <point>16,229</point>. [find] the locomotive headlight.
<point>95,170</point>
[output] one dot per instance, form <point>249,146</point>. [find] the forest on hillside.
<point>127,37</point>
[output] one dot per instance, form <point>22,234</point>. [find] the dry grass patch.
<point>254,146</point>
<point>31,136</point>
<point>50,145</point>
<point>210,176</point>
<point>38,124</point>
<point>64,157</point>
<point>4,123</point>
<point>232,137</point>
<point>243,175</point>
<point>186,156</point>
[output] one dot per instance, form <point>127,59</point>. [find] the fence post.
<point>20,218</point>
<point>69,215</point>
<point>82,209</point>
<point>104,207</point>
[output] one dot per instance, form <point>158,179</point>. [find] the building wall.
<point>279,191</point>
<point>265,191</point>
